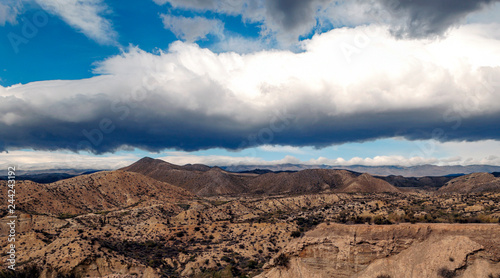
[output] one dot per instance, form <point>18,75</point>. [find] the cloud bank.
<point>348,85</point>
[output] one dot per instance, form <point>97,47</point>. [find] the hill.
<point>205,181</point>
<point>198,179</point>
<point>477,182</point>
<point>95,192</point>
<point>422,182</point>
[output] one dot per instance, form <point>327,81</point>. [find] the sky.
<point>102,83</point>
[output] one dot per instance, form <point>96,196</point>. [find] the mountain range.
<point>206,181</point>
<point>411,171</point>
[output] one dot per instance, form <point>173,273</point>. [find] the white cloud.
<point>42,160</point>
<point>193,29</point>
<point>240,45</point>
<point>87,16</point>
<point>9,10</point>
<point>222,160</point>
<point>282,149</point>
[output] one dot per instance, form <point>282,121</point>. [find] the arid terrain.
<point>155,219</point>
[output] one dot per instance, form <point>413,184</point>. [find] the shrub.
<point>296,234</point>
<point>446,273</point>
<point>282,260</point>
<point>179,234</point>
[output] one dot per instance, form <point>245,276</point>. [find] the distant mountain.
<point>413,171</point>
<point>477,182</point>
<point>206,181</point>
<point>42,178</point>
<point>69,171</point>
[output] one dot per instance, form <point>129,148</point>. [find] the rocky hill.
<point>206,181</point>
<point>198,179</point>
<point>95,192</point>
<point>473,183</point>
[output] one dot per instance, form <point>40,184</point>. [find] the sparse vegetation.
<point>282,260</point>
<point>446,273</point>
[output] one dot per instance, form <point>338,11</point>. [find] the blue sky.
<point>249,82</point>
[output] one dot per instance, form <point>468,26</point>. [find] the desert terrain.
<point>155,219</point>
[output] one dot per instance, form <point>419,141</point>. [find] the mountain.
<point>205,181</point>
<point>477,182</point>
<point>95,192</point>
<point>43,177</point>
<point>318,180</point>
<point>413,171</point>
<point>199,179</point>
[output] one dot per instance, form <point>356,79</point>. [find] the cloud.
<point>87,16</point>
<point>289,20</point>
<point>239,44</point>
<point>42,160</point>
<point>282,149</point>
<point>348,85</point>
<point>192,29</point>
<point>284,19</point>
<point>180,158</point>
<point>9,10</point>
<point>220,6</point>
<point>421,19</point>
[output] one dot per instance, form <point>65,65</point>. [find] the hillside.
<point>95,192</point>
<point>318,180</point>
<point>477,182</point>
<point>198,179</point>
<point>422,182</point>
<point>205,181</point>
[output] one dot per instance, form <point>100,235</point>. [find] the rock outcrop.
<point>405,250</point>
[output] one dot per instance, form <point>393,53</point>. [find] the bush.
<point>379,220</point>
<point>179,234</point>
<point>282,260</point>
<point>296,234</point>
<point>446,273</point>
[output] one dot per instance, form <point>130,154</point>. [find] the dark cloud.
<point>424,18</point>
<point>292,17</point>
<point>188,130</point>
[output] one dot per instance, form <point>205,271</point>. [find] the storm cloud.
<point>424,18</point>
<point>335,91</point>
